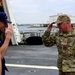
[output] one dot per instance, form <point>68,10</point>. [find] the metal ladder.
<point>16,38</point>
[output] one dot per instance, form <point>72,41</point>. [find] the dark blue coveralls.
<point>2,38</point>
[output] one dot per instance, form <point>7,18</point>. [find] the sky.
<point>38,11</point>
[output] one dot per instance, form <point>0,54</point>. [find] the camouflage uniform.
<point>66,50</point>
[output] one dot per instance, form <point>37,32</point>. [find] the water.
<point>33,31</point>
<point>29,28</point>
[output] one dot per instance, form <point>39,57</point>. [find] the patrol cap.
<point>63,18</point>
<point>3,17</point>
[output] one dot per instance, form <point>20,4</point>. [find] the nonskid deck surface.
<point>31,60</point>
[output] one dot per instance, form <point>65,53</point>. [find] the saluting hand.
<point>8,31</point>
<point>50,26</point>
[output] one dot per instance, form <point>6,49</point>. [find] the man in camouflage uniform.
<point>64,38</point>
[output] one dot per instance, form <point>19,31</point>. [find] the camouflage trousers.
<point>66,73</point>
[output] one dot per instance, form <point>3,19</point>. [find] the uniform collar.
<point>71,33</point>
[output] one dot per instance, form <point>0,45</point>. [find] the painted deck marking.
<point>32,66</point>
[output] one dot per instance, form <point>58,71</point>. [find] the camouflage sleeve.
<point>48,40</point>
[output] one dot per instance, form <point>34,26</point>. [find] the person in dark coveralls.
<point>64,38</point>
<point>5,36</point>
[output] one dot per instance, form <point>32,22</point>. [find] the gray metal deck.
<point>31,60</point>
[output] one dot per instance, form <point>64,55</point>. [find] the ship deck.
<point>31,60</point>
